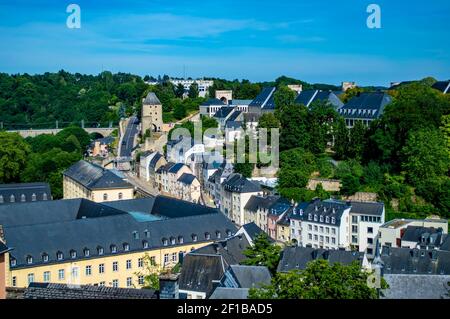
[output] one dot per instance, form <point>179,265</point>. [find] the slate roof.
<point>310,96</point>
<point>233,125</point>
<point>224,112</point>
<point>238,184</point>
<point>198,272</point>
<point>24,192</point>
<point>275,204</point>
<point>264,100</point>
<point>415,261</point>
<point>367,105</point>
<point>3,248</point>
<point>187,178</point>
<point>62,291</point>
<point>250,276</point>
<point>445,243</point>
<point>229,293</point>
<point>423,235</point>
<point>416,287</point>
<point>252,230</point>
<point>151,99</point>
<point>62,226</point>
<point>155,160</point>
<point>93,176</point>
<point>297,258</point>
<point>230,249</point>
<point>213,102</point>
<point>367,208</point>
<point>316,209</point>
<point>443,86</point>
<point>234,116</point>
<point>239,102</point>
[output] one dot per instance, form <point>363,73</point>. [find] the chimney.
<point>2,234</point>
<point>169,287</point>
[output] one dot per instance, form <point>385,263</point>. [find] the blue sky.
<point>323,41</point>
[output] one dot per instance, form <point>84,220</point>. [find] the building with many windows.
<point>78,241</point>
<point>93,182</point>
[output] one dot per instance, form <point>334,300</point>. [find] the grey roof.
<point>239,102</point>
<point>199,271</point>
<point>175,168</point>
<point>416,286</point>
<point>250,276</point>
<point>186,178</point>
<point>415,261</point>
<point>229,293</point>
<point>234,125</point>
<point>297,258</point>
<point>239,184</point>
<point>62,291</point>
<point>310,96</point>
<point>252,230</point>
<point>275,204</point>
<point>24,192</point>
<point>317,209</point>
<point>151,99</point>
<point>155,160</point>
<point>224,112</point>
<point>213,101</point>
<point>233,117</point>
<point>3,248</point>
<point>231,249</point>
<point>367,208</point>
<point>32,229</point>
<point>443,86</point>
<point>367,105</point>
<point>426,236</point>
<point>445,243</point>
<point>264,100</point>
<point>93,176</point>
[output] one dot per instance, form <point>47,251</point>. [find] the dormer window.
<point>105,196</point>
<point>327,219</point>
<point>228,232</point>
<point>29,260</point>
<point>321,219</point>
<point>194,237</point>
<point>144,244</point>
<point>73,254</point>
<point>135,235</point>
<point>180,239</point>
<point>59,255</point>
<point>146,233</point>
<point>309,217</point>
<point>22,198</point>
<point>86,252</point>
<point>126,247</point>
<point>100,251</point>
<point>172,240</point>
<point>315,217</point>
<point>12,198</point>
<point>45,257</point>
<point>333,220</point>
<point>218,235</point>
<point>44,196</point>
<point>1,199</point>
<point>13,262</point>
<point>113,249</point>
<point>165,241</point>
<point>33,197</point>
<point>207,236</point>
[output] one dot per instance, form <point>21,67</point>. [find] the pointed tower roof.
<point>151,99</point>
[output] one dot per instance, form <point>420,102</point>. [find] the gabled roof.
<point>187,179</point>
<point>224,112</point>
<point>214,101</point>
<point>265,99</point>
<point>199,271</point>
<point>309,96</point>
<point>232,249</point>
<point>250,276</point>
<point>252,230</point>
<point>229,293</point>
<point>233,125</point>
<point>297,258</point>
<point>24,192</point>
<point>238,184</point>
<point>93,176</point>
<point>366,105</point>
<point>176,168</point>
<point>275,204</point>
<point>322,212</point>
<point>443,86</point>
<point>151,99</point>
<point>416,286</point>
<point>423,235</point>
<point>62,291</point>
<point>234,116</point>
<point>367,208</point>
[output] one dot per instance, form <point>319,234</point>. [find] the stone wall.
<point>330,185</point>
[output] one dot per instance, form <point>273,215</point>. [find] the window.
<point>129,282</point>
<point>61,274</point>
<point>115,266</point>
<point>229,233</point>
<point>128,264</point>
<point>126,247</point>
<point>46,276</point>
<point>113,249</point>
<point>33,197</point>
<point>174,257</point>
<point>333,240</point>
<point>369,251</point>
<point>22,198</point>
<point>135,235</point>
<point>172,241</point>
<point>88,270</point>
<point>73,254</point>
<point>327,230</point>
<point>145,244</point>
<point>105,196</point>
<point>166,258</point>
<point>120,195</point>
<point>218,235</point>
<point>101,268</point>
<point>165,241</point>
<point>315,228</point>
<point>354,239</point>
<point>333,231</point>
<point>321,229</point>
<point>45,258</point>
<point>13,262</point>
<point>100,250</point>
<point>181,239</point>
<point>146,233</point>
<point>354,229</point>
<point>370,241</point>
<point>141,280</point>
<point>102,284</point>
<point>86,252</point>
<point>309,227</point>
<point>44,196</point>
<point>333,220</point>
<point>29,260</point>
<point>115,283</point>
<point>316,237</point>
<point>74,273</point>
<point>30,278</point>
<point>370,230</point>
<point>194,237</point>
<point>207,236</point>
<point>12,198</point>
<point>153,261</point>
<point>327,240</point>
<point>354,219</point>
<point>140,262</point>
<point>14,281</point>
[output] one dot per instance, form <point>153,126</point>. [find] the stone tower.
<point>151,114</point>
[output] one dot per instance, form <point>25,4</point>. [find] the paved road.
<point>128,138</point>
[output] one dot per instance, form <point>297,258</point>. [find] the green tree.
<point>13,156</point>
<point>262,253</point>
<point>445,129</point>
<point>283,97</point>
<point>357,140</point>
<point>179,91</point>
<point>150,273</point>
<point>193,91</point>
<point>350,185</point>
<point>294,131</point>
<point>426,155</point>
<point>320,280</point>
<point>179,110</point>
<point>341,140</point>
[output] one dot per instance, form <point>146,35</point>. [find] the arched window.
<point>105,196</point>
<point>23,198</point>
<point>86,252</point>
<point>33,197</point>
